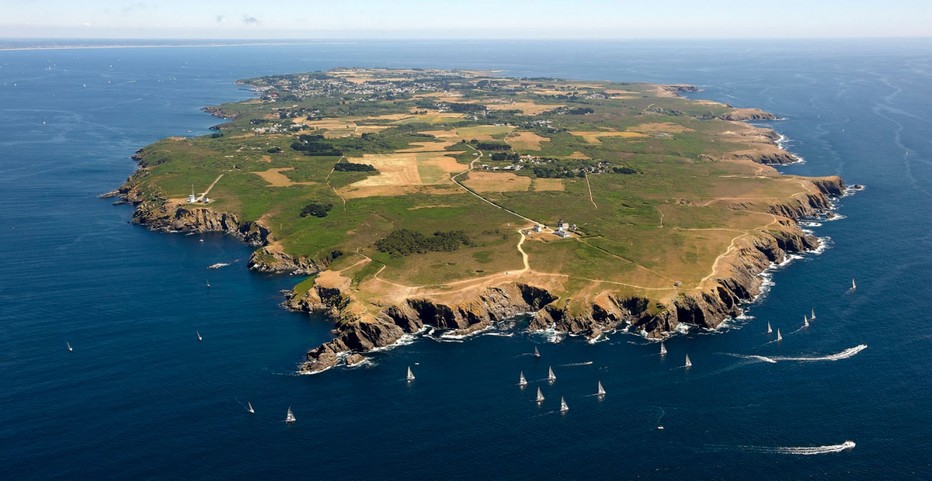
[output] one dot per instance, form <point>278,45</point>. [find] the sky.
<point>464,19</point>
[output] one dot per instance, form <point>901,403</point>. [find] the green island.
<point>452,199</point>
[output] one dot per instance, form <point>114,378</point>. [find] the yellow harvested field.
<point>526,108</point>
<point>497,182</point>
<point>545,185</point>
<point>431,117</point>
<point>620,92</point>
<point>593,137</point>
<point>275,178</point>
<point>525,140</point>
<point>442,134</point>
<point>483,132</point>
<point>578,156</point>
<point>660,127</point>
<point>353,191</point>
<point>408,168</point>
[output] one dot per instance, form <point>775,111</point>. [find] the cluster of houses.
<point>563,229</point>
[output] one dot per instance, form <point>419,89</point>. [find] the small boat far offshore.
<point>540,396</point>
<point>563,407</point>
<point>536,353</point>
<point>410,376</point>
<point>600,392</point>
<point>769,329</point>
<point>249,408</point>
<point>779,336</point>
<point>521,380</point>
<point>70,349</point>
<point>688,364</point>
<point>198,334</point>
<point>550,375</point>
<point>289,417</point>
<point>663,349</point>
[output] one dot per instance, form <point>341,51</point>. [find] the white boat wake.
<point>846,354</point>
<point>574,364</point>
<point>800,450</point>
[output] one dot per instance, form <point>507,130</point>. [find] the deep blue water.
<point>140,398</point>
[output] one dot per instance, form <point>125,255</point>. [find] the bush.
<point>316,209</point>
<point>352,167</point>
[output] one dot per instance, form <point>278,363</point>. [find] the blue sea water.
<point>141,398</point>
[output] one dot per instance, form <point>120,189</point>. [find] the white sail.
<point>540,396</point>
<point>663,349</point>
<point>70,349</point>
<point>289,418</point>
<point>812,314</point>
<point>779,337</point>
<point>688,363</point>
<point>805,321</point>
<point>250,409</point>
<point>536,352</point>
<point>769,329</point>
<point>199,338</point>
<point>410,374</point>
<point>550,376</point>
<point>601,391</point>
<point>521,380</point>
<point>563,407</point>
<point>853,285</point>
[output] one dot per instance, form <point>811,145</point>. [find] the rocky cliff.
<point>735,282</point>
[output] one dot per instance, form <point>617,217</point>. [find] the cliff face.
<point>736,282</point>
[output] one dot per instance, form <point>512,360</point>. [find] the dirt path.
<point>204,195</point>
<point>331,185</point>
<point>589,186</point>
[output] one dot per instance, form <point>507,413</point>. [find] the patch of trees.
<point>404,242</point>
<point>555,171</point>
<point>624,170</point>
<point>316,209</point>
<point>352,167</point>
<point>506,156</point>
<point>315,145</point>
<point>580,111</point>
<point>492,146</point>
<point>466,108</point>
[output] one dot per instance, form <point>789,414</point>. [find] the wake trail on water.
<point>846,354</point>
<point>793,450</point>
<point>574,364</point>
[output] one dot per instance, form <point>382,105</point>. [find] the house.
<point>538,228</point>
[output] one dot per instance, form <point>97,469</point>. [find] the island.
<point>452,200</point>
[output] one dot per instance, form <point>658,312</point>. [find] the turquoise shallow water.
<point>140,398</point>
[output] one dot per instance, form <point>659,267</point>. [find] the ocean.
<point>140,398</point>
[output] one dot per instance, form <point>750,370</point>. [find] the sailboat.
<point>805,321</point>
<point>812,314</point>
<point>410,374</point>
<point>521,381</point>
<point>550,376</point>
<point>688,364</point>
<point>563,407</point>
<point>853,285</point>
<point>199,338</point>
<point>779,337</point>
<point>769,329</point>
<point>540,396</point>
<point>536,353</point>
<point>70,349</point>
<point>289,418</point>
<point>663,349</point>
<point>208,283</point>
<point>601,391</point>
<point>250,410</point>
